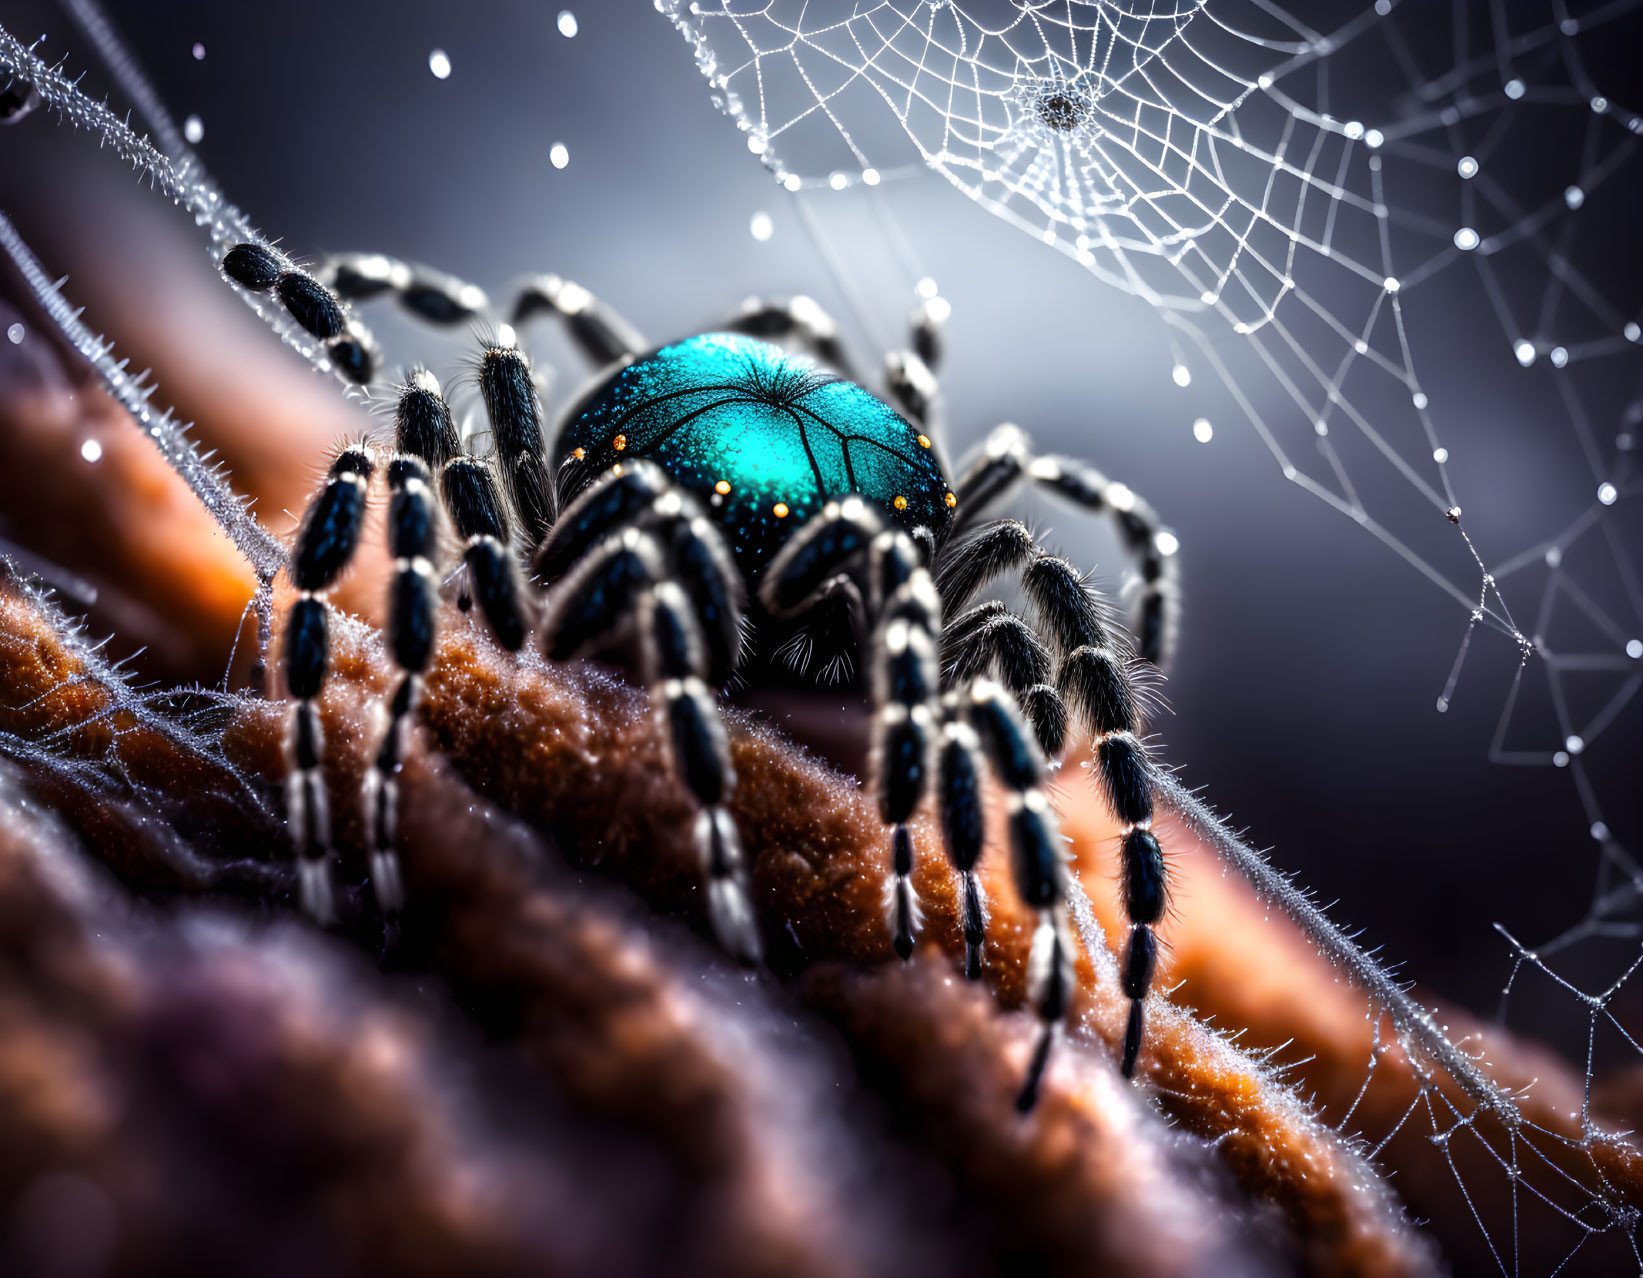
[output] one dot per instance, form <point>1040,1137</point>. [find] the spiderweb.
<point>1388,229</point>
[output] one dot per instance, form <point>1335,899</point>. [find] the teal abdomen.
<point>764,439</point>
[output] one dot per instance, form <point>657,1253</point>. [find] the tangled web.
<point>1403,235</point>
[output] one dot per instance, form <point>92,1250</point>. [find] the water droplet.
<point>92,451</point>
<point>199,51</point>
<point>1525,352</point>
<point>1574,743</point>
<point>1466,239</point>
<point>1634,648</point>
<point>761,227</point>
<point>439,63</point>
<point>1468,167</point>
<point>559,155</point>
<point>567,24</point>
<point>1514,89</point>
<point>1181,375</point>
<point>1202,431</point>
<point>870,176</point>
<point>193,130</point>
<point>1440,455</point>
<point>15,334</point>
<point>1607,493</point>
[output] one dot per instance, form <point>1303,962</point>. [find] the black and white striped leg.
<point>468,489</point>
<point>315,308</point>
<point>1094,679</point>
<point>848,541</point>
<point>445,301</point>
<point>632,576</point>
<point>1002,645</point>
<point>640,495</point>
<point>1006,462</point>
<point>325,545</point>
<point>413,602</point>
<point>1037,859</point>
<point>1152,546</point>
<point>434,297</point>
<point>799,318</point>
<point>598,331</point>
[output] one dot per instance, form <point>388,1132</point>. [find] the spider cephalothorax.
<point>705,500</point>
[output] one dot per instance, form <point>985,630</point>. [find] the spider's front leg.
<point>846,540</point>
<point>634,547</point>
<point>413,603</point>
<point>326,543</point>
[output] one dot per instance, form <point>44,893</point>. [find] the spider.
<point>722,508</point>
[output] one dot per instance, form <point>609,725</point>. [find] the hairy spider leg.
<point>435,297</point>
<point>515,413</point>
<point>849,539</point>
<point>640,494</point>
<point>1005,462</point>
<point>1035,855</point>
<point>635,572</point>
<point>989,639</point>
<point>423,429</point>
<point>1093,679</point>
<point>413,604</point>
<point>316,308</point>
<point>978,721</point>
<point>325,545</point>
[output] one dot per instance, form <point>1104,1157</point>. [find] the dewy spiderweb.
<point>1315,203</point>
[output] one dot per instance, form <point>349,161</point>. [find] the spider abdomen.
<point>764,438</point>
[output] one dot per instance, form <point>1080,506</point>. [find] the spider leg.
<point>1004,646</point>
<point>849,538</point>
<point>1095,680</point>
<point>600,333</point>
<point>630,574</point>
<point>800,319</point>
<point>325,545</point>
<point>310,303</point>
<point>1006,463</point>
<point>423,429</point>
<point>1035,855</point>
<point>413,602</point>
<point>445,301</point>
<point>910,374</point>
<point>639,494</point>
<point>515,413</point>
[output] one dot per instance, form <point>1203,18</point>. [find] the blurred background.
<point>485,140</point>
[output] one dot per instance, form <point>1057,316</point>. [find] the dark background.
<point>1310,657</point>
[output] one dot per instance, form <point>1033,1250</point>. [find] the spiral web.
<point>1313,201</point>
